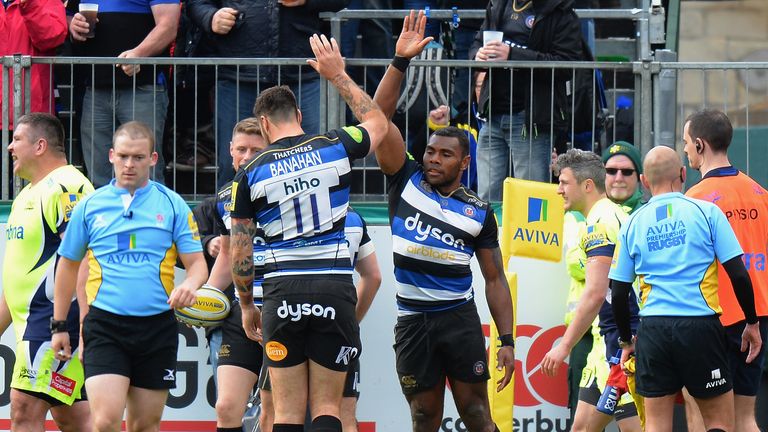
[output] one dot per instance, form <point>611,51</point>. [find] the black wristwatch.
<point>58,326</point>
<point>507,340</point>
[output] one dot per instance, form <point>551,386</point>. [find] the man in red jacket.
<point>36,28</point>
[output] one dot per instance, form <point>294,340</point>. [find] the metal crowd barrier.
<point>736,88</point>
<point>432,77</point>
<point>198,180</point>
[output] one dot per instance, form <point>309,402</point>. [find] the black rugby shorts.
<point>236,349</point>
<point>677,352</point>
<point>432,346</point>
<point>141,348</point>
<point>310,318</point>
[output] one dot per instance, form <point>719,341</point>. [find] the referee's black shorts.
<point>677,352</point>
<point>746,376</point>
<point>432,346</point>
<point>142,348</point>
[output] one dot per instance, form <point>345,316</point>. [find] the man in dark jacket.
<point>260,29</point>
<point>520,113</point>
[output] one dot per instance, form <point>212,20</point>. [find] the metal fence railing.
<point>661,93</point>
<point>739,89</point>
<point>190,82</point>
<point>197,101</point>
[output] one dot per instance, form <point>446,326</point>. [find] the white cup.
<point>492,36</point>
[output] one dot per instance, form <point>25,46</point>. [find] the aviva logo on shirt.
<point>537,209</point>
<point>68,202</point>
<point>126,241</point>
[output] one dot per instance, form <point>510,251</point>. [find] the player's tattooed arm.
<point>241,252</point>
<point>359,101</point>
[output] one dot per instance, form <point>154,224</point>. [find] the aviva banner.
<point>532,220</point>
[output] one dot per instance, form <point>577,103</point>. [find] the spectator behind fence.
<point>457,36</point>
<point>520,119</point>
<point>125,29</point>
<point>622,175</point>
<point>32,27</point>
<point>193,142</point>
<point>259,29</point>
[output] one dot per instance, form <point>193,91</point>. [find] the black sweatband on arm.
<point>742,287</point>
<point>620,305</point>
<point>400,63</point>
<point>507,340</point>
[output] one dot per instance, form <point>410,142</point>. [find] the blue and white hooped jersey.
<point>433,240</point>
<point>297,190</point>
<point>132,244</point>
<point>358,240</point>
<point>223,226</point>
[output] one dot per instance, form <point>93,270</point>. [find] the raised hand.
<point>411,41</point>
<point>328,62</point>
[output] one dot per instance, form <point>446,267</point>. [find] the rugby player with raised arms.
<point>297,190</point>
<point>438,225</point>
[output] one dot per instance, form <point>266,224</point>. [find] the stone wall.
<point>725,31</point>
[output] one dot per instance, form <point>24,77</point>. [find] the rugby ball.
<point>210,309</point>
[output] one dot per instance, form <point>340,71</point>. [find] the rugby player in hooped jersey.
<point>297,190</point>
<point>239,358</point>
<point>437,226</point>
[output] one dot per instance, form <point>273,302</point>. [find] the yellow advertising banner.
<point>502,403</point>
<point>532,220</point>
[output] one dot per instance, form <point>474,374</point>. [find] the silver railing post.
<point>21,101</point>
<point>6,130</point>
<point>645,70</point>
<point>665,101</point>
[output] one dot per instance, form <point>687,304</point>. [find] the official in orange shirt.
<point>707,135</point>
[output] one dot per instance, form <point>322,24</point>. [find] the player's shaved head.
<point>661,166</point>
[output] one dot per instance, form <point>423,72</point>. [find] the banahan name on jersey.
<point>298,192</point>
